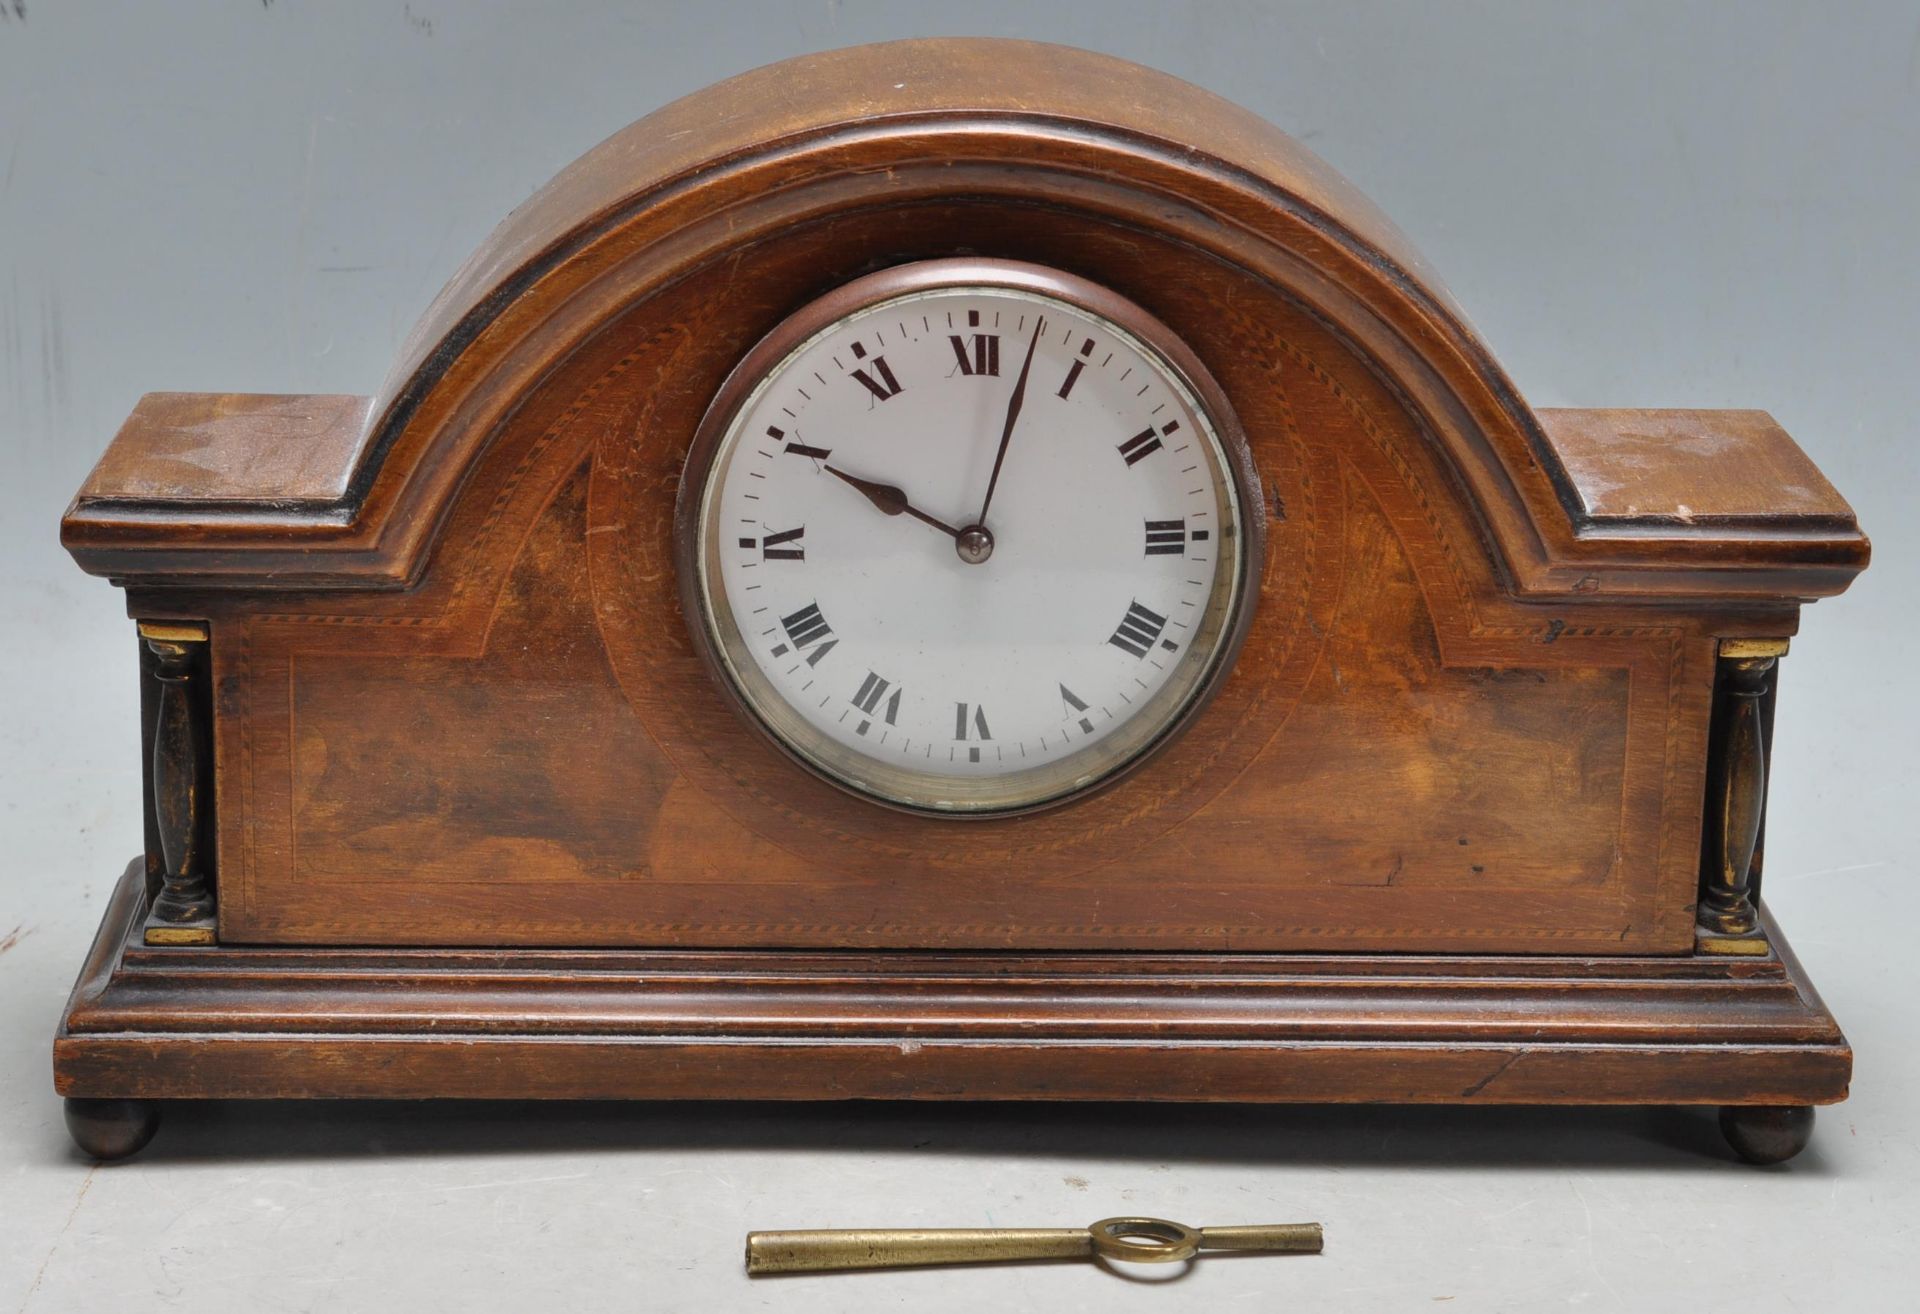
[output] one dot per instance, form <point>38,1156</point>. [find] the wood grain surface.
<point>1404,756</point>
<point>1457,772</point>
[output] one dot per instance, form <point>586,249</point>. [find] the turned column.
<point>183,910</point>
<point>1737,786</point>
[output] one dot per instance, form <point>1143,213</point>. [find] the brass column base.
<point>199,931</point>
<point>1746,946</point>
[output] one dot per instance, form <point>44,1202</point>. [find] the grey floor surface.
<point>1645,204</point>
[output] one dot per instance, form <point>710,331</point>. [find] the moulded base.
<point>224,1021</point>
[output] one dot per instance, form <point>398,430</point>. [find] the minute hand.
<point>1013,415</point>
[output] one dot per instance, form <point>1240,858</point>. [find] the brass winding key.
<point>1132,1240</point>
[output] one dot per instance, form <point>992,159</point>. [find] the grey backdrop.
<point>1640,204</point>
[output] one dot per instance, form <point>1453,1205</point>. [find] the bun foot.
<point>1767,1133</point>
<point>112,1129</point>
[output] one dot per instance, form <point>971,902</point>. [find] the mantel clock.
<point>953,569</point>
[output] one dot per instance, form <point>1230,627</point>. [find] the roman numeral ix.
<point>804,628</point>
<point>1139,629</point>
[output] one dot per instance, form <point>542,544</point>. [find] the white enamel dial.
<point>931,633</point>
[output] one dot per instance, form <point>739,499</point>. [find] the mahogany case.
<point>444,802</point>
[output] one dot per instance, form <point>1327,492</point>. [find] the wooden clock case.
<point>442,802</point>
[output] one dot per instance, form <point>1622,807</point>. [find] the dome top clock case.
<point>954,568</point>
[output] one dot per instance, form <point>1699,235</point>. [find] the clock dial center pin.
<point>974,544</point>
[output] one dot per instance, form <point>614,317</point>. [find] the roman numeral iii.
<point>1138,631</point>
<point>1166,538</point>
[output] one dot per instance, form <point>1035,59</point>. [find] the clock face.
<point>969,536</point>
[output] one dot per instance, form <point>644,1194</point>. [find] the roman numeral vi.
<point>978,725</point>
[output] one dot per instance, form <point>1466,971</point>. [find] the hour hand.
<point>890,500</point>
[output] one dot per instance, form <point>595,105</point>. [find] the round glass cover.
<point>971,536</point>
